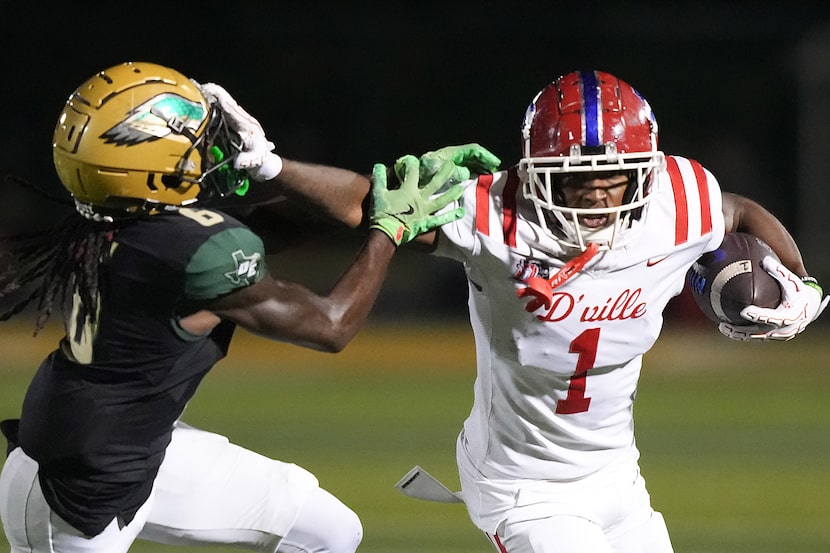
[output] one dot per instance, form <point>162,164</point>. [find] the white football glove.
<point>256,157</point>
<point>801,304</point>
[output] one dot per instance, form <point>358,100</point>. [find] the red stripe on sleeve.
<point>681,207</point>
<point>509,208</point>
<point>483,204</point>
<point>703,192</point>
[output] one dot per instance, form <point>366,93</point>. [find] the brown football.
<point>730,278</point>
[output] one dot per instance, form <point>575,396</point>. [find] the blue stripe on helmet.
<point>589,94</point>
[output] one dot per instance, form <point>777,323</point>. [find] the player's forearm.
<point>354,294</point>
<point>744,215</point>
<point>289,312</point>
<point>337,193</point>
<point>328,323</point>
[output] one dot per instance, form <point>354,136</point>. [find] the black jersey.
<point>99,413</point>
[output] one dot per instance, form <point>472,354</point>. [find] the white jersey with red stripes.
<point>555,385</point>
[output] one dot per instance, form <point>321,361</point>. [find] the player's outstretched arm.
<point>342,194</point>
<point>289,312</point>
<point>338,194</point>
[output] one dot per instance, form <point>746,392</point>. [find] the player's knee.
<point>568,534</point>
<point>324,525</point>
<point>347,532</point>
<point>652,536</point>
<point>556,534</point>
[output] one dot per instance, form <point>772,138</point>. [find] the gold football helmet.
<point>141,138</point>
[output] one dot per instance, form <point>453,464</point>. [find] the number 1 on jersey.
<point>584,345</point>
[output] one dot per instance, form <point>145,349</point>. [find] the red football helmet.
<point>588,121</point>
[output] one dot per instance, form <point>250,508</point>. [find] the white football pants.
<point>607,512</point>
<point>208,491</point>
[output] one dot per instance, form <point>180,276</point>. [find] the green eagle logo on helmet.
<point>156,118</point>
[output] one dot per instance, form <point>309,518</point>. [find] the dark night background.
<point>731,84</point>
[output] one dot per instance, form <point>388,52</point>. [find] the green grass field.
<point>735,437</point>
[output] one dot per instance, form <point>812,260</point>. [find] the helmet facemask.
<point>543,188</point>
<point>219,146</point>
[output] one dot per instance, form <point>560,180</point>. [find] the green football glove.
<point>404,213</point>
<point>469,160</point>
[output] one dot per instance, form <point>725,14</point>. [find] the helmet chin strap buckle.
<point>176,124</point>
<point>87,211</point>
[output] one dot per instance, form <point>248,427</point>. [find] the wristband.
<point>392,228</point>
<point>812,282</point>
<point>270,168</point>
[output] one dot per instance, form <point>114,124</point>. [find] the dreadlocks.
<point>50,266</point>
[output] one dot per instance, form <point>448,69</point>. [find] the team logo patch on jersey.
<point>246,268</point>
<point>530,268</point>
<point>156,118</point>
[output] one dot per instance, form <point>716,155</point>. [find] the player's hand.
<point>404,213</point>
<point>256,157</point>
<point>802,301</point>
<point>469,160</point>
